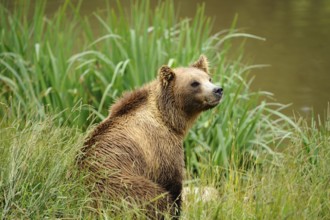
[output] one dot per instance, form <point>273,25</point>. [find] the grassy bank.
<point>60,74</point>
<point>39,178</point>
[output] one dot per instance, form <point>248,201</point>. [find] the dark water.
<point>297,45</point>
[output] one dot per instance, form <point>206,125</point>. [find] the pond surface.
<point>297,45</point>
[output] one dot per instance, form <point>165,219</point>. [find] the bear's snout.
<point>214,99</point>
<point>218,91</point>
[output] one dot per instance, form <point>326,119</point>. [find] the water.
<point>297,45</point>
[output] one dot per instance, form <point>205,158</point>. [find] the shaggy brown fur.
<point>136,153</point>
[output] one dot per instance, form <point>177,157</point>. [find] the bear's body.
<point>136,153</point>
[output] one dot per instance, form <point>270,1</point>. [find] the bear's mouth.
<point>214,102</point>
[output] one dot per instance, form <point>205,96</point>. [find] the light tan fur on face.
<point>202,95</point>
<point>186,76</point>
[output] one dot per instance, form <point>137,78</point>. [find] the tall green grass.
<point>36,168</point>
<point>56,63</point>
<point>41,68</point>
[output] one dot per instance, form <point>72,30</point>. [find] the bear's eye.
<point>195,84</point>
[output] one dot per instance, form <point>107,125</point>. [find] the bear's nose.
<point>218,91</point>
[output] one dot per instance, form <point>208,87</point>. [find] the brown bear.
<point>137,153</point>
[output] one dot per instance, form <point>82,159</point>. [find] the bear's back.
<point>134,138</point>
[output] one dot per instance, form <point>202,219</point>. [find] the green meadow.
<point>59,75</point>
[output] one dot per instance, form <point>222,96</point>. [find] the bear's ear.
<point>202,64</point>
<point>166,75</point>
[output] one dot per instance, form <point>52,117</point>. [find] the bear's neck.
<point>172,114</point>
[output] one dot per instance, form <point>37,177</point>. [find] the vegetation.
<point>59,75</point>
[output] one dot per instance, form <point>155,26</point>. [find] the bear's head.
<point>188,90</point>
<point>191,87</point>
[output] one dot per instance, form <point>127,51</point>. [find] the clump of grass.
<point>292,186</point>
<point>37,168</point>
<point>33,58</point>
